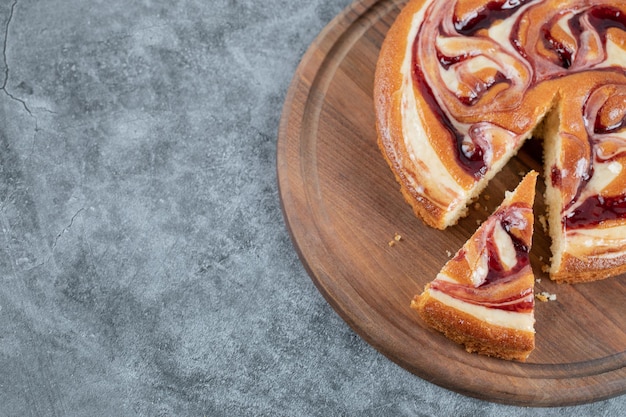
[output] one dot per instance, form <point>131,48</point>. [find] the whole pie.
<point>483,298</point>
<point>460,85</point>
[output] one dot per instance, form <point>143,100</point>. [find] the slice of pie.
<point>483,298</point>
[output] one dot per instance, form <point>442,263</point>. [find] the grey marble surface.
<point>145,267</point>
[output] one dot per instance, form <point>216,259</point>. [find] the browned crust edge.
<point>387,96</point>
<point>575,271</point>
<point>474,334</point>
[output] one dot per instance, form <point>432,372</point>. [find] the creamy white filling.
<point>588,242</point>
<point>502,30</point>
<point>614,167</point>
<point>503,318</point>
<point>603,175</point>
<point>438,180</point>
<point>506,249</point>
<point>450,78</point>
<point>581,167</point>
<point>615,55</point>
<point>481,269</point>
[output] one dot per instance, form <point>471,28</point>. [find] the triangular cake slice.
<point>483,298</point>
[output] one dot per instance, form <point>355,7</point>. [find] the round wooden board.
<point>342,206</point>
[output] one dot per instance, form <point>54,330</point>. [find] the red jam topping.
<point>487,15</point>
<point>498,274</point>
<point>596,210</point>
<point>520,303</point>
<point>473,163</point>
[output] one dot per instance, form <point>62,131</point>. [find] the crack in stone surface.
<point>6,63</point>
<point>4,47</point>
<point>67,228</point>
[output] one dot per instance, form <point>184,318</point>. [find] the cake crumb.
<point>448,253</point>
<point>396,238</point>
<point>521,173</point>
<point>478,222</point>
<point>477,206</point>
<point>538,280</point>
<point>545,296</point>
<point>486,197</point>
<point>545,268</point>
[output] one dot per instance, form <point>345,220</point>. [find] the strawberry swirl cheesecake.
<point>461,85</point>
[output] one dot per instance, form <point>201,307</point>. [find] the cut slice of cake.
<point>483,298</point>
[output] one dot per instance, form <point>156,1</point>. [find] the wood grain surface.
<point>342,207</point>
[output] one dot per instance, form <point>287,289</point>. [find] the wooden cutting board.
<point>342,207</point>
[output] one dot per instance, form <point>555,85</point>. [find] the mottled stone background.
<point>145,267</point>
